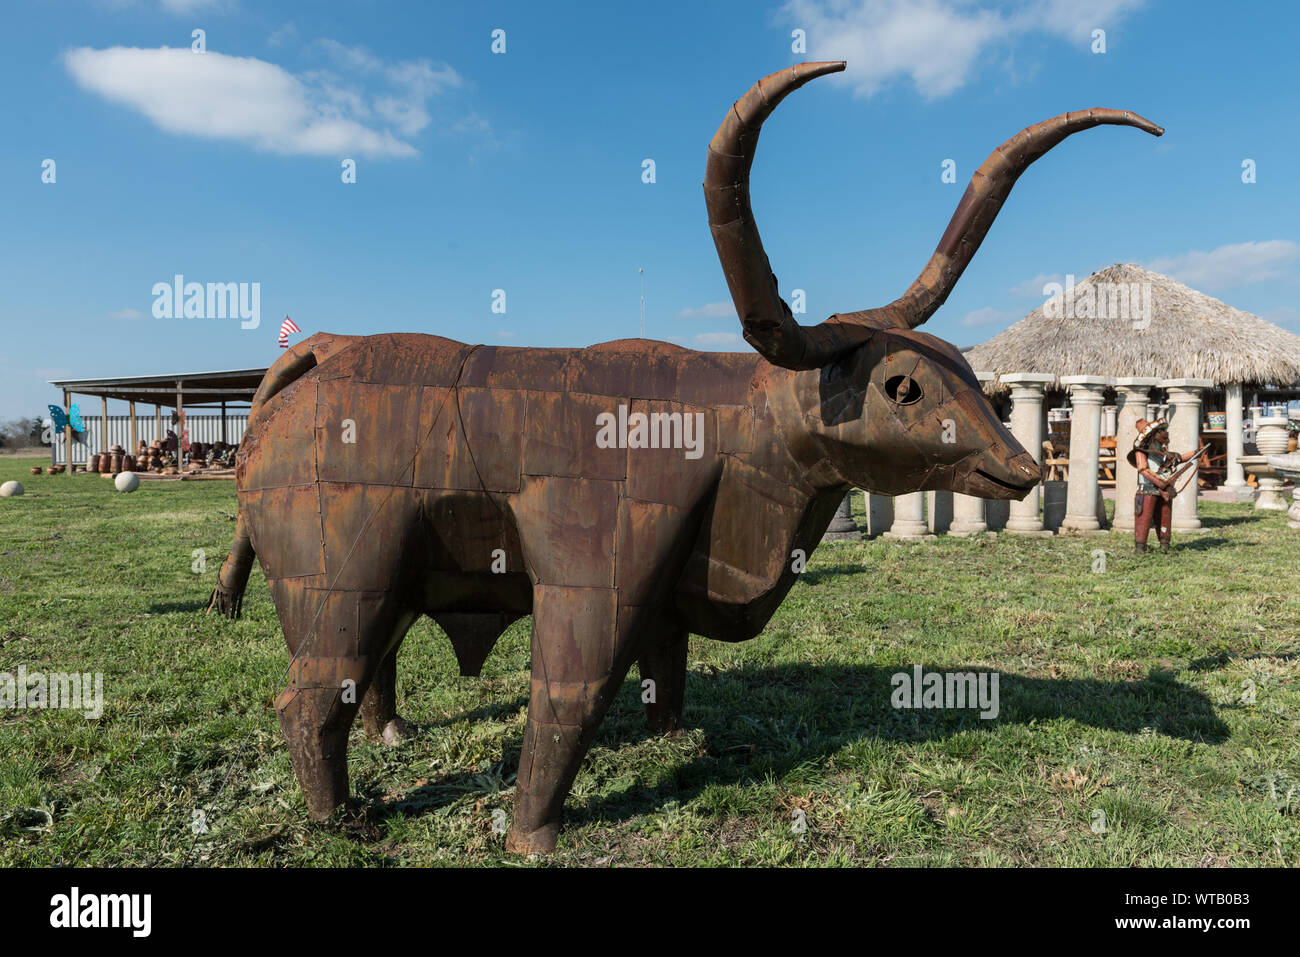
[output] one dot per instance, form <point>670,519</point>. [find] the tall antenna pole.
<point>641,272</point>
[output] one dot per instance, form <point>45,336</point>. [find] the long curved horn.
<point>988,190</point>
<point>768,324</point>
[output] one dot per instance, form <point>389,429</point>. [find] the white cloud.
<point>186,7</point>
<point>1237,264</point>
<point>987,317</point>
<point>712,310</point>
<point>283,34</point>
<point>722,340</point>
<point>216,96</point>
<point>126,314</point>
<point>935,43</point>
<point>1033,288</point>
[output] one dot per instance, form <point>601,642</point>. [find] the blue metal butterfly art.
<point>72,418</point>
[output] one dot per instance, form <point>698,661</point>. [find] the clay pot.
<point>105,463</point>
<point>36,470</point>
<point>1270,436</point>
<point>93,464</point>
<point>57,469</point>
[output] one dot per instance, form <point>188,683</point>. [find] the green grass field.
<point>1125,691</point>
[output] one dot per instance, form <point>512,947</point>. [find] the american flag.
<point>287,327</point>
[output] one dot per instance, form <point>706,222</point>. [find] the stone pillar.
<point>1027,426</point>
<point>880,514</point>
<point>969,517</point>
<point>938,511</point>
<point>909,519</point>
<point>1131,397</point>
<point>1109,420</point>
<point>1086,393</point>
<point>969,513</point>
<point>1185,436</point>
<point>1236,478</point>
<point>843,527</point>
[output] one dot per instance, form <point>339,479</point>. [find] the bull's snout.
<point>1001,473</point>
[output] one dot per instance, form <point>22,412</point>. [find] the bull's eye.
<point>903,389</point>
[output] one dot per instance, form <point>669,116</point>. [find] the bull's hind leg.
<point>379,715</point>
<point>663,662</point>
<point>339,641</point>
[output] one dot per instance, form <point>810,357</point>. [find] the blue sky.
<point>523,170</point>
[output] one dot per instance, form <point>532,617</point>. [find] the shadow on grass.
<point>813,576</point>
<point>172,607</point>
<point>1199,543</point>
<point>1210,521</point>
<point>762,722</point>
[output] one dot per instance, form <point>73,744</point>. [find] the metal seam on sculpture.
<point>373,512</point>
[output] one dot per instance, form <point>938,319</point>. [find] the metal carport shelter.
<point>181,390</point>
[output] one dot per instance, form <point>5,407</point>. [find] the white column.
<point>842,526</point>
<point>880,514</point>
<point>1086,394</point>
<point>1027,426</point>
<point>909,519</point>
<point>1236,445</point>
<point>1185,436</point>
<point>1131,395</point>
<point>969,513</point>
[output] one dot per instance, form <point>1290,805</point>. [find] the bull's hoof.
<point>670,728</point>
<point>394,732</point>
<point>540,841</point>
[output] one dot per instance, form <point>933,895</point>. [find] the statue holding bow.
<point>1158,472</point>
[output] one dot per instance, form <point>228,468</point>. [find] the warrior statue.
<point>1158,472</point>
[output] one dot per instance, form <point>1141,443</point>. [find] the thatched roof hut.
<point>1188,335</point>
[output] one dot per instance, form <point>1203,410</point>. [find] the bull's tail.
<point>228,597</point>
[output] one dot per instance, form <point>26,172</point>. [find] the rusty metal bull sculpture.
<point>390,476</point>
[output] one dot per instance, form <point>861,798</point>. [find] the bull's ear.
<point>843,383</point>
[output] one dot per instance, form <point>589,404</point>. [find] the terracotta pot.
<point>36,470</point>
<point>93,464</point>
<point>105,463</point>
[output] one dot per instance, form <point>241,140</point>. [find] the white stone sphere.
<point>10,489</point>
<point>127,481</point>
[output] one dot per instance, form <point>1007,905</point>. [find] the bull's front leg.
<point>663,662</point>
<point>579,659</point>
